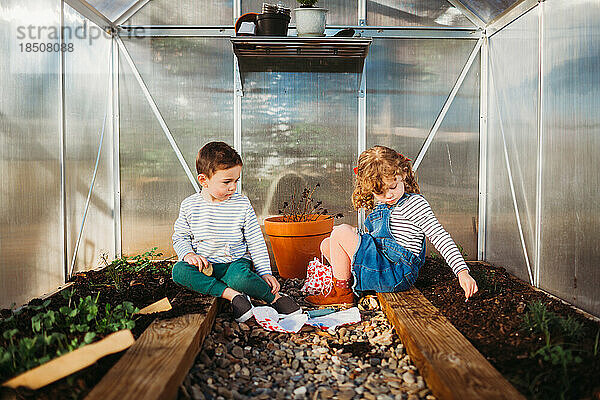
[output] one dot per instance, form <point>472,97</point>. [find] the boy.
<point>217,239</point>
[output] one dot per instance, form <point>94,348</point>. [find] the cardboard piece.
<point>156,307</point>
<point>72,362</point>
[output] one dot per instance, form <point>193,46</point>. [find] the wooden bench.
<point>155,366</point>
<point>451,366</point>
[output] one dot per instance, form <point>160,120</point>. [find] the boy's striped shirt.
<point>221,232</point>
<point>413,219</point>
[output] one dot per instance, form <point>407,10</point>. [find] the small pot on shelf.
<point>272,24</point>
<point>273,21</point>
<point>311,21</point>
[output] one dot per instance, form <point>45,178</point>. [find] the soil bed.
<point>360,361</point>
<point>140,288</point>
<point>493,321</point>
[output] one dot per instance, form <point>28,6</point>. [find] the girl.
<point>387,258</point>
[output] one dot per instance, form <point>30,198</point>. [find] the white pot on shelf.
<point>310,21</point>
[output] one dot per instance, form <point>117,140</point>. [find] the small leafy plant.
<point>559,347</point>
<point>305,207</point>
<point>56,332</point>
<point>135,264</point>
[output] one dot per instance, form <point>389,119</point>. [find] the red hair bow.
<point>355,169</point>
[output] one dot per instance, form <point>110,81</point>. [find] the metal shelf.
<point>301,47</point>
<point>300,54</point>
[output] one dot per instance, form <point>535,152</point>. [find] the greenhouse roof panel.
<point>488,10</point>
<point>112,9</point>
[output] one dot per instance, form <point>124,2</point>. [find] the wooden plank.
<point>451,366</point>
<point>72,362</point>
<point>155,366</point>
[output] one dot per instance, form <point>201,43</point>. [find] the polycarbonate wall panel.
<point>408,81</point>
<point>87,113</point>
<point>31,242</point>
<point>341,12</point>
<point>415,13</point>
<point>448,175</point>
<point>569,254</point>
<point>512,128</point>
<point>191,80</point>
<point>487,10</point>
<point>184,12</point>
<point>299,129</point>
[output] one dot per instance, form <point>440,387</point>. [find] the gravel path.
<point>361,361</point>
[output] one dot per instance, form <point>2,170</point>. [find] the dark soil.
<point>142,288</point>
<point>493,322</point>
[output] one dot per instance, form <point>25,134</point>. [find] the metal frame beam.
<point>447,104</point>
<point>116,164</point>
<point>508,16</point>
<point>362,12</point>
<point>238,93</point>
<point>362,103</point>
<point>137,6</point>
<point>370,31</point>
<point>512,187</point>
<point>540,142</point>
<point>62,147</point>
<point>87,10</point>
<point>158,115</point>
<point>89,196</point>
<point>471,16</point>
<point>483,135</point>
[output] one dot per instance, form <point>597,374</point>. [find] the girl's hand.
<point>197,260</point>
<point>271,281</point>
<point>467,283</point>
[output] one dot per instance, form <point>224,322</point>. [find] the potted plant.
<point>297,232</point>
<point>310,20</point>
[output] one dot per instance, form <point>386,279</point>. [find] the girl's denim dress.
<point>380,263</point>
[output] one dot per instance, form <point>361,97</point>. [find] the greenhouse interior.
<point>105,104</point>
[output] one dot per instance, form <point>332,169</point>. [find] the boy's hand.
<point>270,279</point>
<point>467,283</point>
<point>197,260</point>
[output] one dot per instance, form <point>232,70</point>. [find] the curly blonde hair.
<point>375,166</point>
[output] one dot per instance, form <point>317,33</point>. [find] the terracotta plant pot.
<point>296,243</point>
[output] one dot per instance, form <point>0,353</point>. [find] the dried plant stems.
<point>305,208</point>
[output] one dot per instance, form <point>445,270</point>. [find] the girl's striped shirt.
<point>221,232</point>
<point>412,220</point>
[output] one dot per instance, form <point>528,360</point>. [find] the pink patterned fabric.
<point>319,278</point>
<point>270,325</point>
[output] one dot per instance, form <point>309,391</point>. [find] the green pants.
<point>237,275</point>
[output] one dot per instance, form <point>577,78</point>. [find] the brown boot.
<point>340,295</point>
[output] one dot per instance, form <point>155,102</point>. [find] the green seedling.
<point>144,261</point>
<point>114,270</point>
<point>54,333</point>
<point>559,348</point>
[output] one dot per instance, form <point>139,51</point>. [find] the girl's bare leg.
<point>342,244</point>
<point>325,248</point>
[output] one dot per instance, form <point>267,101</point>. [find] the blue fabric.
<point>380,263</point>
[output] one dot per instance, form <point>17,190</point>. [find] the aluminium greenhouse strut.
<point>447,104</point>
<point>158,115</point>
<point>512,187</point>
<point>87,201</point>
